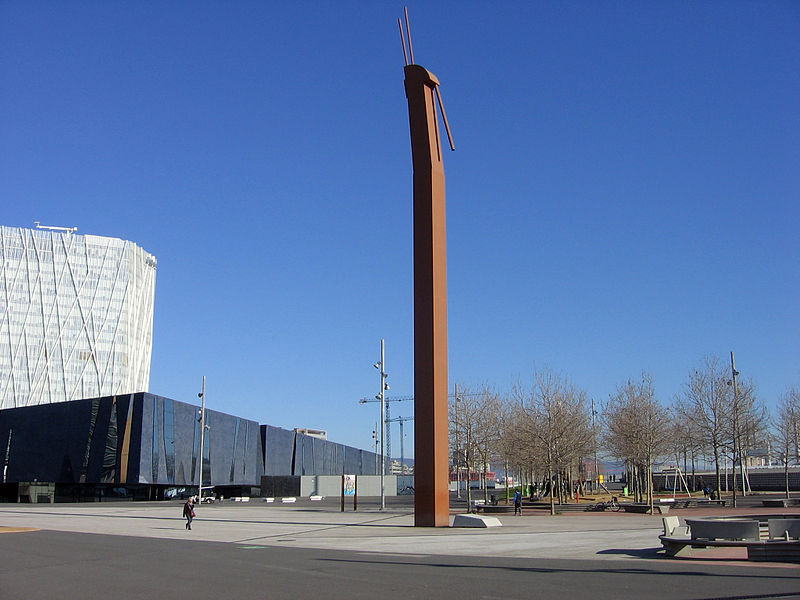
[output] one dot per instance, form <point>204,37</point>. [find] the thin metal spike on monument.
<point>408,33</point>
<point>444,117</point>
<point>402,40</point>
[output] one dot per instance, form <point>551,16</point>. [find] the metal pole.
<point>202,440</point>
<point>594,436</point>
<point>377,441</point>
<point>383,423</point>
<point>737,446</point>
<point>456,453</point>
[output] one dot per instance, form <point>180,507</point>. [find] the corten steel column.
<point>432,498</point>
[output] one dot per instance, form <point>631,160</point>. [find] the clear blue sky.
<point>623,197</point>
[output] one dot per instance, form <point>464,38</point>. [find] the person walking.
<point>188,512</point>
<point>518,503</point>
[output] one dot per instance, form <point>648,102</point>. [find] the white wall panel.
<point>76,316</point>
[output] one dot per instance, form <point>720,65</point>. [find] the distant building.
<point>138,445</point>
<point>147,447</point>
<point>76,316</point>
<point>317,433</point>
<point>398,468</point>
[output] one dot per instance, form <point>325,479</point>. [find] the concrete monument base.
<point>476,521</point>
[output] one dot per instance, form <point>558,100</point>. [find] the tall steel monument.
<point>431,474</point>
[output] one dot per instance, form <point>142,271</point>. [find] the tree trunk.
<point>786,474</point>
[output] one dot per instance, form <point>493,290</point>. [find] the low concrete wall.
<point>331,485</point>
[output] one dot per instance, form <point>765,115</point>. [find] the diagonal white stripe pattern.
<point>76,316</point>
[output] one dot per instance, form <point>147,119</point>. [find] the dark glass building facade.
<point>147,447</point>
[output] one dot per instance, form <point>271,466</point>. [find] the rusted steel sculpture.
<point>431,452</point>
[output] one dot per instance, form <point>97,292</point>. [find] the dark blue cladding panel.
<point>279,450</point>
<point>146,439</point>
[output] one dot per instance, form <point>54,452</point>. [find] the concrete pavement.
<point>603,536</point>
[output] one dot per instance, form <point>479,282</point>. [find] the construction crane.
<point>399,420</point>
<point>388,441</point>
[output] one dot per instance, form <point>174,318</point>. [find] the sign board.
<point>349,485</point>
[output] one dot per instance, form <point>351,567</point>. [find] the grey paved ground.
<point>312,550</point>
<point>602,536</point>
<point>605,536</point>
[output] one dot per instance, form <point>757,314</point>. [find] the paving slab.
<point>605,536</point>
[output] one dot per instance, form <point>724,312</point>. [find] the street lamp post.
<point>737,443</point>
<point>381,433</point>
<point>202,419</point>
<point>456,454</point>
<point>376,437</point>
<point>594,442</point>
<point>382,397</point>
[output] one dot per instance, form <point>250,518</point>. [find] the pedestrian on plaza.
<point>518,503</point>
<point>188,512</point>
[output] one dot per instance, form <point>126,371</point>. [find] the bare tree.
<point>474,432</point>
<point>703,405</point>
<point>556,420</point>
<point>637,430</point>
<point>785,431</point>
<point>746,424</point>
<point>684,444</point>
<point>507,438</point>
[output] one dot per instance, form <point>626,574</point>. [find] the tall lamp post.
<point>381,434</point>
<point>381,366</point>
<point>203,427</point>
<point>737,443</point>
<point>456,454</point>
<point>594,441</point>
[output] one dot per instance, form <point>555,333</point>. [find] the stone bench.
<point>495,508</point>
<point>702,536</point>
<point>780,502</point>
<point>785,529</point>
<point>697,503</point>
<point>642,508</point>
<point>724,529</point>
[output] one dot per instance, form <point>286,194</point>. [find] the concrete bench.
<point>724,529</point>
<point>780,502</point>
<point>642,508</point>
<point>781,529</point>
<point>697,503</point>
<point>495,508</point>
<point>673,527</point>
<point>774,503</point>
<point>707,535</point>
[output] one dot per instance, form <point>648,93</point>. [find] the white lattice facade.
<point>76,316</point>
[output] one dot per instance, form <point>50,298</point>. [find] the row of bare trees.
<point>547,433</point>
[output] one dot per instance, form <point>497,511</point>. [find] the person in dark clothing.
<point>518,503</point>
<point>188,512</point>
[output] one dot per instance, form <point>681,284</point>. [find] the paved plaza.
<point>595,547</point>
<point>322,525</point>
